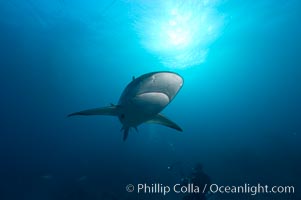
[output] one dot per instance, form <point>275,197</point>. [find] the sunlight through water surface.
<point>179,32</point>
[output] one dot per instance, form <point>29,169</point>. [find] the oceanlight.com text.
<point>158,188</point>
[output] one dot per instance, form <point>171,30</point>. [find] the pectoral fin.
<point>109,110</point>
<point>160,119</point>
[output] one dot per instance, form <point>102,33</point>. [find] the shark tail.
<point>125,133</point>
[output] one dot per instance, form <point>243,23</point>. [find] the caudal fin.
<point>125,133</point>
<point>109,110</point>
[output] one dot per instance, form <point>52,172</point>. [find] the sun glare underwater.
<point>179,32</point>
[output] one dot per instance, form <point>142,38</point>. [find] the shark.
<point>142,101</point>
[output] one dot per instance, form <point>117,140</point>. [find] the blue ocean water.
<point>239,106</point>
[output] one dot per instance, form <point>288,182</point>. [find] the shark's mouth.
<point>151,102</point>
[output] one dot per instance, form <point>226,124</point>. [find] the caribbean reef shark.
<point>142,101</point>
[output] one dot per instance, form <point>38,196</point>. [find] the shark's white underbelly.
<point>143,107</point>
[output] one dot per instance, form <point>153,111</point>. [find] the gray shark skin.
<point>142,101</point>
